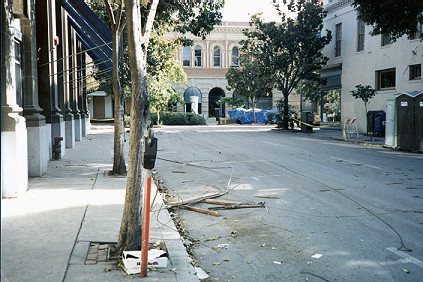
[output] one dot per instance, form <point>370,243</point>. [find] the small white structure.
<point>99,105</point>
<point>194,104</point>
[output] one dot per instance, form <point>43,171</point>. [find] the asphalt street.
<point>333,211</point>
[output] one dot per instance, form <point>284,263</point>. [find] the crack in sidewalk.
<point>79,230</point>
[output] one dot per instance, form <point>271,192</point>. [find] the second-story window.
<point>386,39</point>
<point>197,56</point>
<point>186,56</point>
<point>338,39</point>
<point>415,72</point>
<point>235,57</point>
<point>216,57</point>
<point>385,79</point>
<point>360,35</point>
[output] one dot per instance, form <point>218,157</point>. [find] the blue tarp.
<point>246,115</point>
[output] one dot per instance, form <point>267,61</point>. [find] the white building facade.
<point>356,57</point>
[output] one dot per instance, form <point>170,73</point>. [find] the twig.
<point>242,206</point>
<point>200,210</point>
<point>215,202</point>
<point>267,197</point>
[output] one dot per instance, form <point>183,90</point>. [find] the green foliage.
<point>232,102</point>
<point>252,79</point>
<point>309,89</point>
<point>178,119</point>
<point>196,17</point>
<point>291,50</point>
<point>99,8</point>
<point>270,118</point>
<point>163,69</point>
<point>394,17</point>
<point>364,93</point>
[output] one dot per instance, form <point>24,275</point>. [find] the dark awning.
<point>330,77</point>
<point>94,35</point>
<point>192,91</point>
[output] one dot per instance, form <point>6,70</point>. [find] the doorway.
<point>330,105</point>
<point>216,110</point>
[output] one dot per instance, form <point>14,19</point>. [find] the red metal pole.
<point>145,223</point>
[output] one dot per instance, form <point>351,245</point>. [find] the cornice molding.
<point>338,5</point>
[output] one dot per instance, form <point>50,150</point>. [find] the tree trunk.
<point>130,229</point>
<point>253,104</point>
<point>285,119</point>
<point>119,166</point>
<point>365,117</point>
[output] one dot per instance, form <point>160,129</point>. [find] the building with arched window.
<point>206,63</point>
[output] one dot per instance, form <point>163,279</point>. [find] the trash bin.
<point>371,121</point>
<point>380,119</point>
<point>306,119</point>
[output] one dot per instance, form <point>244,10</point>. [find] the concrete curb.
<point>178,255</point>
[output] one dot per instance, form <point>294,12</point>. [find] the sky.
<point>242,10</point>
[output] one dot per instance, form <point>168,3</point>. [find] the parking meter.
<point>149,150</point>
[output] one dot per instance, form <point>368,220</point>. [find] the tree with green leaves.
<point>292,49</point>
<point>393,17</point>
<point>162,68</point>
<point>365,93</point>
<point>197,17</point>
<point>252,80</point>
<point>232,102</point>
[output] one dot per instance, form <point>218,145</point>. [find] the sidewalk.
<point>47,233</point>
<point>336,133</point>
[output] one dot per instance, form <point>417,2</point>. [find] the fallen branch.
<point>242,206</point>
<point>200,210</point>
<point>215,202</point>
<point>196,199</point>
<point>267,197</point>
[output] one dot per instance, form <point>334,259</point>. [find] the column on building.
<point>86,113</point>
<point>207,54</point>
<point>63,79</point>
<point>14,152</point>
<point>226,64</point>
<point>38,133</point>
<point>47,67</point>
<point>81,83</point>
<point>74,84</point>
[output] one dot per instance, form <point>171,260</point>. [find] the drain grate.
<point>100,252</point>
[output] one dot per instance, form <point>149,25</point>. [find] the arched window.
<point>186,56</point>
<point>197,56</point>
<point>235,57</point>
<point>216,56</point>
